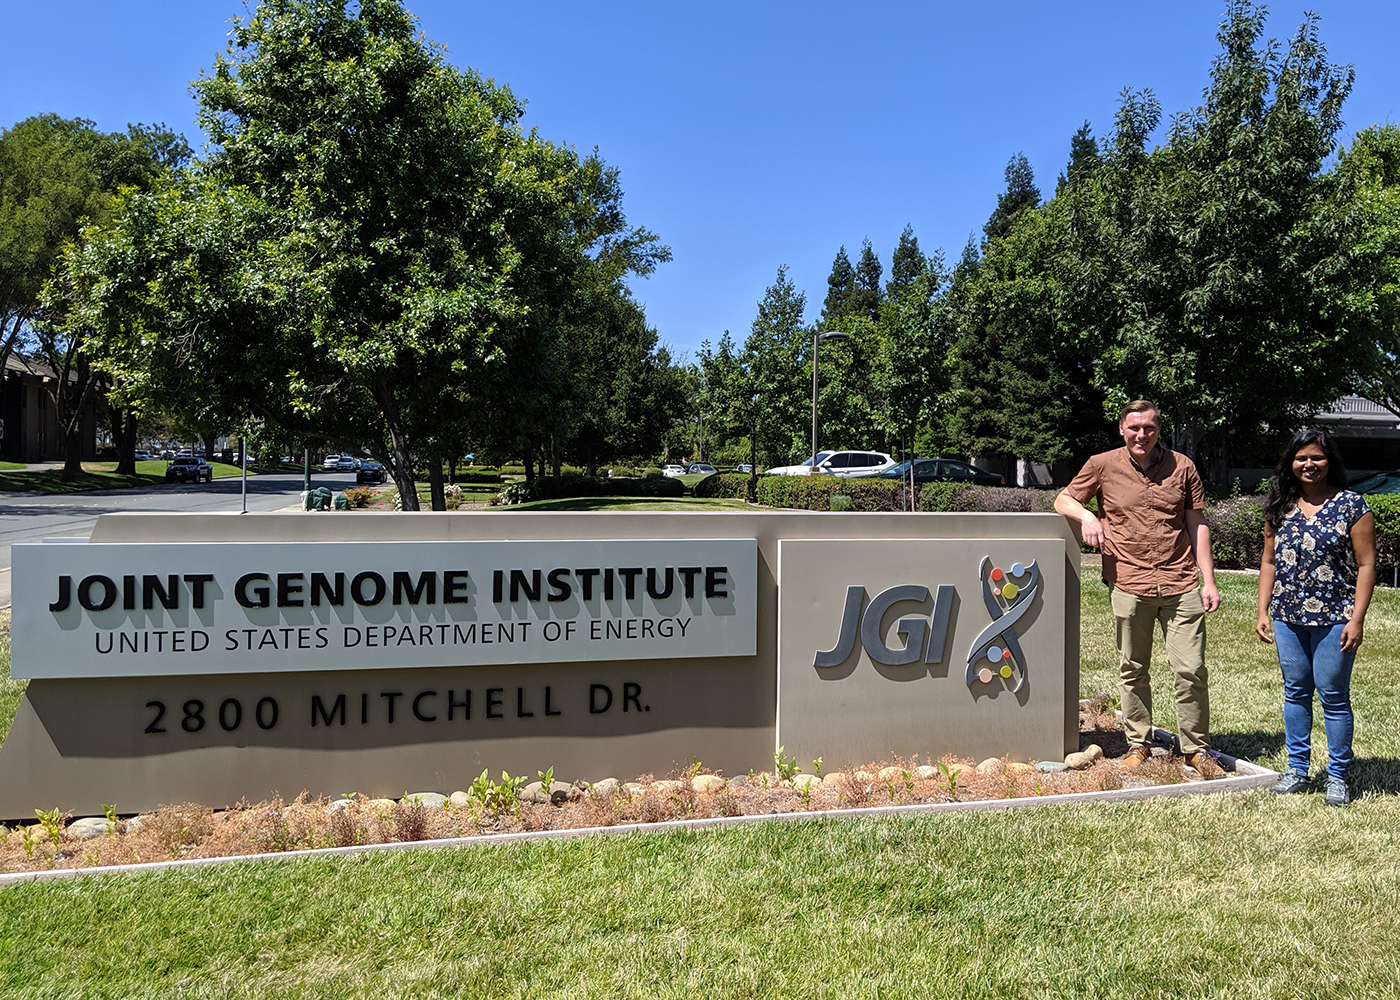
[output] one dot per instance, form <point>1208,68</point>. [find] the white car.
<point>672,471</point>
<point>701,469</point>
<point>850,464</point>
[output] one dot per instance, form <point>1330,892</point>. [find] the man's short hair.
<point>1141,406</point>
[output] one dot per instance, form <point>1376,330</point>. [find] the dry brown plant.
<point>174,828</point>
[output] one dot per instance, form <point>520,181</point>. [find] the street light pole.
<point>817,338</point>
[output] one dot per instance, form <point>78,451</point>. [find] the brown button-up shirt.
<point>1146,550</point>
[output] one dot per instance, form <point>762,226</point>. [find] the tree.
<point>773,357</point>
<point>1020,194</point>
<point>866,301</point>
<point>906,265</point>
<point>412,227</point>
<point>840,288</point>
<point>1083,159</point>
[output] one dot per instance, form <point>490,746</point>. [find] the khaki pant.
<point>1183,621</point>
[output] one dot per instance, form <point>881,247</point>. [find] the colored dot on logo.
<point>1010,591</point>
<point>1017,569</point>
<point>984,675</point>
<point>997,591</point>
<point>1006,654</point>
<point>1006,671</point>
<point>994,653</point>
<point>997,575</point>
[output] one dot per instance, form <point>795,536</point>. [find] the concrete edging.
<point>1248,776</point>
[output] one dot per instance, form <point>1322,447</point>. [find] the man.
<point>1152,532</point>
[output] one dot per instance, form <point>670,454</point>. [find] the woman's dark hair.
<point>1285,489</point>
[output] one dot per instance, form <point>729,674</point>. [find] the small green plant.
<point>908,777</point>
<point>785,767</point>
<point>892,790</point>
<point>27,839</point>
<point>805,792</point>
<point>498,798</point>
<point>52,824</point>
<point>951,776</point>
<point>817,766</point>
<point>546,778</point>
<point>109,813</point>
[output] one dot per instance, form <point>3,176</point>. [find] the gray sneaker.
<point>1291,783</point>
<point>1338,794</point>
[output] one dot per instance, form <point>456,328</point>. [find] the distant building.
<point>30,418</point>
<point>1367,434</point>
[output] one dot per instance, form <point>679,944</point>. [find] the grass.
<point>98,476</point>
<point>8,466</point>
<point>1236,897</point>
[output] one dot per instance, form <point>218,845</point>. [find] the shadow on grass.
<point>1376,774</point>
<point>1252,745</point>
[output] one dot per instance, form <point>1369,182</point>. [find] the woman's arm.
<point>1268,572</point>
<point>1363,541</point>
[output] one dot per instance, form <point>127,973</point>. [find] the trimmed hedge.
<point>726,485</point>
<point>948,497</point>
<point>574,484</point>
<point>478,474</point>
<point>815,492</point>
<point>1237,532</point>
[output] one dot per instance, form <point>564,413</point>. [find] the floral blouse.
<point>1315,565</point>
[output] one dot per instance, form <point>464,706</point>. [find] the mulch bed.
<point>194,831</point>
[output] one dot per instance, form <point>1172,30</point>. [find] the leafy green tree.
<point>1020,194</point>
<point>414,229</point>
<point>906,265</point>
<point>773,360</point>
<point>1083,159</point>
<point>866,301</point>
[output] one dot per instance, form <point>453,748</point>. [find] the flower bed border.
<point>1247,776</point>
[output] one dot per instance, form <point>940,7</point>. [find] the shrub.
<point>574,484</point>
<point>359,496</point>
<point>1237,532</point>
<point>947,497</point>
<point>815,492</point>
<point>478,474</point>
<point>733,485</point>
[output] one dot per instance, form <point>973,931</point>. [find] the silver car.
<point>850,464</point>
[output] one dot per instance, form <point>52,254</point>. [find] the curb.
<point>1247,777</point>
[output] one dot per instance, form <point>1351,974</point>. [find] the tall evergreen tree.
<point>1083,159</point>
<point>868,273</point>
<point>840,288</point>
<point>1020,194</point>
<point>906,265</point>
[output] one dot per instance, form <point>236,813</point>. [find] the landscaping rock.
<point>381,804</point>
<point>666,785</point>
<point>433,800</point>
<point>707,783</point>
<point>1079,761</point>
<point>1016,767</point>
<point>88,828</point>
<point>863,777</point>
<point>1051,766</point>
<point>992,765</point>
<point>832,779</point>
<point>633,788</point>
<point>533,792</point>
<point>561,792</point>
<point>606,788</point>
<point>926,771</point>
<point>340,804</point>
<point>1094,751</point>
<point>133,826</point>
<point>739,781</point>
<point>460,799</point>
<point>890,773</point>
<point>802,782</point>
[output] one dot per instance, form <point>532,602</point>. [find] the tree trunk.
<point>208,440</point>
<point>554,456</point>
<point>437,494</point>
<point>124,422</point>
<point>398,446</point>
<point>529,463</point>
<point>592,465</point>
<point>72,455</point>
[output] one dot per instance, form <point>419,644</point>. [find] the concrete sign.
<point>212,658</point>
<point>956,642</point>
<point>216,608</point>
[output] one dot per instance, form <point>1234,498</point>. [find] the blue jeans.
<point>1311,658</point>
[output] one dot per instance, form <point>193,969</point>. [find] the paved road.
<point>30,517</point>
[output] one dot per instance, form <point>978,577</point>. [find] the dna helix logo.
<point>997,647</point>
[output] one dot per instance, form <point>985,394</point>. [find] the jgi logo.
<point>996,652</point>
<point>913,630</point>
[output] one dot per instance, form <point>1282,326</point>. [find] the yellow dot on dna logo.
<point>1010,591</point>
<point>1006,670</point>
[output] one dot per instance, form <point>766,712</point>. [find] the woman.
<point>1315,583</point>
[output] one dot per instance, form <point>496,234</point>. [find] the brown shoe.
<point>1206,765</point>
<point>1136,756</point>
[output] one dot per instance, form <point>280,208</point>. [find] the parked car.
<point>744,467</point>
<point>331,464</point>
<point>145,456</point>
<point>188,470</point>
<point>850,464</point>
<point>943,470</point>
<point>347,463</point>
<point>700,469</point>
<point>370,471</point>
<point>672,471</point>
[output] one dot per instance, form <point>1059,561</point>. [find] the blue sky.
<point>748,135</point>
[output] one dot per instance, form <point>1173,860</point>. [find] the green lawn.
<point>97,476</point>
<point>1240,896</point>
